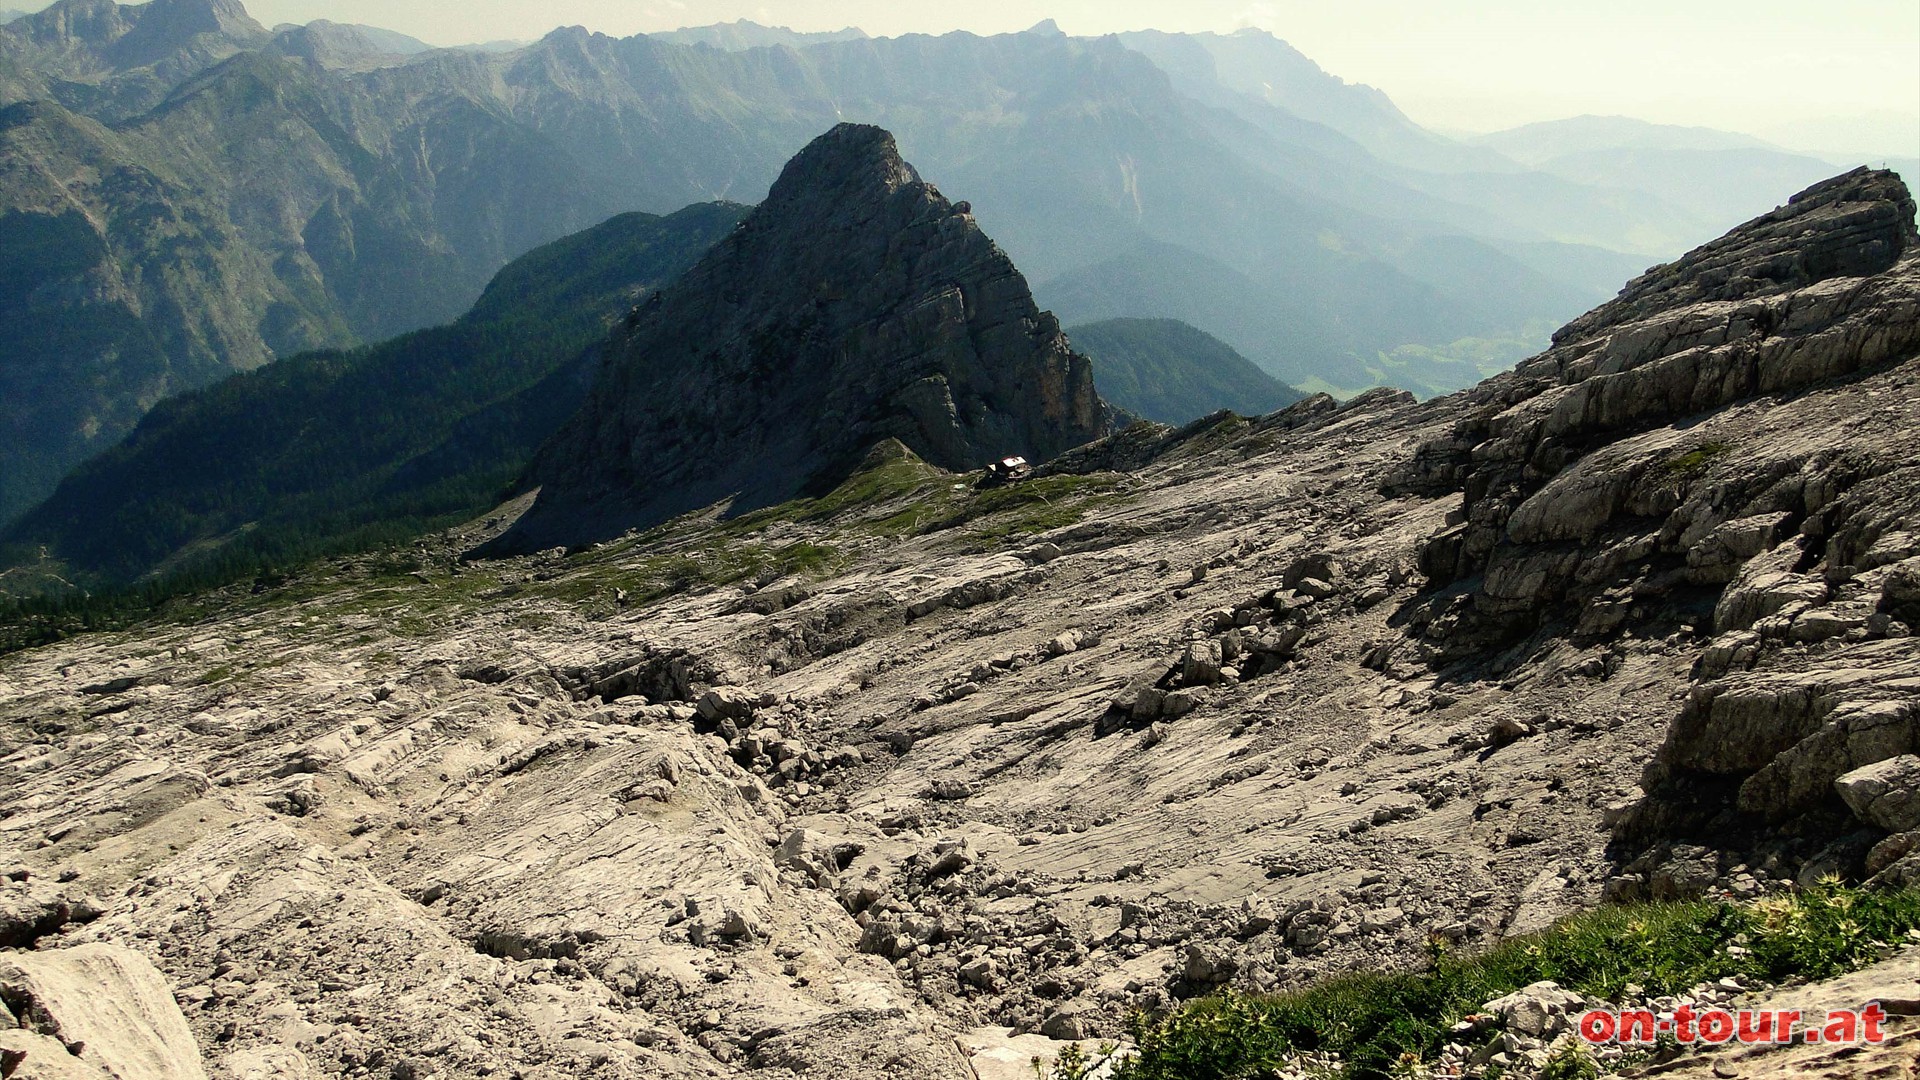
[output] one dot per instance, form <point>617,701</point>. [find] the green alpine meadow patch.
<point>891,495</point>
<point>1380,1024</point>
<point>896,494</point>
<point>1031,507</point>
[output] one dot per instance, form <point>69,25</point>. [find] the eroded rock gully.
<point>1287,703</point>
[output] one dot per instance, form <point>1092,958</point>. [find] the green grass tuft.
<point>1571,1062</point>
<point>1696,460</point>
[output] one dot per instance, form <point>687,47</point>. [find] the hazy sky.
<point>1833,74</point>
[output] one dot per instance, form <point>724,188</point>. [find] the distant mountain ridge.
<point>1255,65</point>
<point>745,34</point>
<point>1720,177</point>
<point>1167,371</point>
<point>322,450</point>
<point>1534,144</point>
<point>115,61</point>
<point>391,41</point>
<point>344,46</point>
<point>242,194</point>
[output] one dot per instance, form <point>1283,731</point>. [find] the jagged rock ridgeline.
<point>1588,489</point>
<point>856,304</point>
<point>1854,225</point>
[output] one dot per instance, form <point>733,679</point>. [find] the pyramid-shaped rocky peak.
<point>856,304</point>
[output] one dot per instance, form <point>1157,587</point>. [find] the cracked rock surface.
<point>952,770</point>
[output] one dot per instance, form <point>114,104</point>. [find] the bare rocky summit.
<point>915,778</point>
<point>854,305</point>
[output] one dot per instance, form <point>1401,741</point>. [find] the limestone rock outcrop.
<point>1721,459</point>
<point>856,304</point>
<point>1854,225</point>
<point>1886,793</point>
<point>1609,471</point>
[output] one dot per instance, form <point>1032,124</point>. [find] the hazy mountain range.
<point>333,451</point>
<point>185,193</point>
<point>743,34</point>
<point>332,448</point>
<point>1701,170</point>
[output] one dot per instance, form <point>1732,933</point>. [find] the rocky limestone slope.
<point>1719,452</point>
<point>856,304</point>
<point>891,782</point>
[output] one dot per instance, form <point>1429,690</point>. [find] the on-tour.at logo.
<point>1713,1026</point>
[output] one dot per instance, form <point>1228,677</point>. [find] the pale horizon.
<point>1840,80</point>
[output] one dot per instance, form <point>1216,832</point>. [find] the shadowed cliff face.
<point>855,305</point>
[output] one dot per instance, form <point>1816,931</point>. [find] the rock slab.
<point>106,1006</point>
<point>1886,793</point>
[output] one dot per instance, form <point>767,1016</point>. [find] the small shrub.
<point>1570,1061</point>
<point>1074,1063</point>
